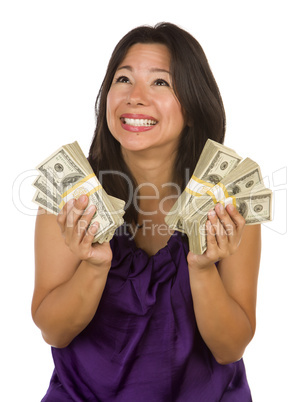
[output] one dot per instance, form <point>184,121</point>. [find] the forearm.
<point>222,322</point>
<point>69,308</point>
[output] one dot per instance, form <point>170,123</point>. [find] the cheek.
<point>109,110</point>
<point>179,115</point>
<point>172,108</point>
<point>177,119</point>
<point>114,102</point>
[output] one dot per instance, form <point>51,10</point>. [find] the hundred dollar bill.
<point>46,188</point>
<point>45,202</point>
<point>243,178</point>
<point>242,186</point>
<point>255,208</point>
<point>61,171</point>
<point>216,161</point>
<point>102,215</point>
<point>67,174</point>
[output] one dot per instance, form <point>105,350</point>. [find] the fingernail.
<point>231,207</point>
<point>212,212</point>
<point>91,209</point>
<point>82,198</point>
<point>220,207</point>
<point>94,227</point>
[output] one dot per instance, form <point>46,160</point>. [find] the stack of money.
<point>219,177</point>
<point>67,174</point>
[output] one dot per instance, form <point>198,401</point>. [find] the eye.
<point>123,79</point>
<point>161,82</point>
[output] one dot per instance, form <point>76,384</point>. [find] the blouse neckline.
<point>139,250</point>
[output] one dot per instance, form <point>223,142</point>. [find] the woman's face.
<point>143,112</point>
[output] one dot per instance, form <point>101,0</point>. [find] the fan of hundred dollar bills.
<point>67,174</point>
<point>219,177</point>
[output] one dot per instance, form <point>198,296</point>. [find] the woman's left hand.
<point>224,230</point>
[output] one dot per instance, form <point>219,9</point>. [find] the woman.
<point>141,317</point>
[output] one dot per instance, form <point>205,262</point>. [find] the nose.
<point>137,95</point>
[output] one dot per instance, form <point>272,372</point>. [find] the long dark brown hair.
<point>197,92</point>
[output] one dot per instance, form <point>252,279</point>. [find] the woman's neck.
<point>152,172</point>
<point>156,190</point>
<point>154,197</point>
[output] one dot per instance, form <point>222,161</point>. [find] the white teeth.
<point>139,122</point>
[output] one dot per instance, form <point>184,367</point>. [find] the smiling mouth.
<point>138,122</point>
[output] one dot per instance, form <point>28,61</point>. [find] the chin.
<point>134,145</point>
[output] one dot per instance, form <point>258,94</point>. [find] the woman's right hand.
<point>74,220</point>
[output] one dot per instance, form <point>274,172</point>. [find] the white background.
<point>53,58</point>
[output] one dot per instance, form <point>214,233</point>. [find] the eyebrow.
<point>151,70</point>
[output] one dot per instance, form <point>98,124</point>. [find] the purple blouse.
<point>143,343</point>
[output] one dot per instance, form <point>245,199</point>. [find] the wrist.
<point>99,270</point>
<point>199,262</point>
<point>202,275</point>
<point>196,269</point>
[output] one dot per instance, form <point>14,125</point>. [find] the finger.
<point>211,238</point>
<point>77,211</point>
<point>218,229</point>
<point>89,235</point>
<point>72,234</point>
<point>84,222</point>
<point>236,217</point>
<point>226,221</point>
<point>62,216</point>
